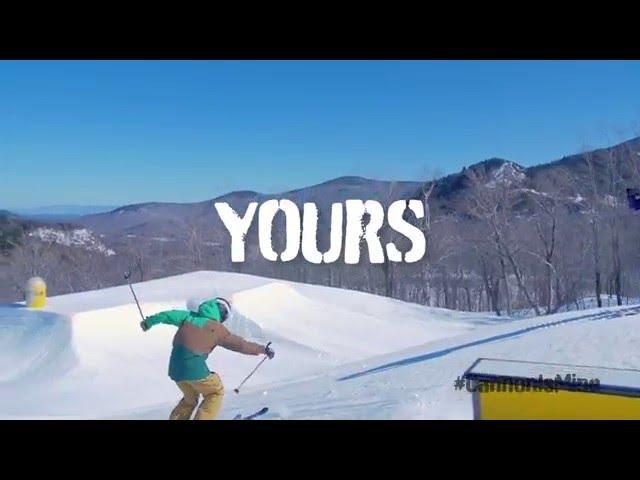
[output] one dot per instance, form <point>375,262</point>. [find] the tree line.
<point>509,247</point>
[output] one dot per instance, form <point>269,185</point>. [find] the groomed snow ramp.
<point>331,327</point>
<point>87,357</point>
<point>34,345</point>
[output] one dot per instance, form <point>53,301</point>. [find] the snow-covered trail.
<point>605,315</point>
<point>339,354</point>
<point>31,344</point>
<point>425,390</point>
<point>377,388</point>
<point>87,357</point>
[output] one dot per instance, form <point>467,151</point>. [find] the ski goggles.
<point>225,309</point>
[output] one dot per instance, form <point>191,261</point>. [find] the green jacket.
<point>198,334</point>
<point>207,310</point>
<point>186,364</point>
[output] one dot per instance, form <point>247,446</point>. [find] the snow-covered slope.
<point>418,383</point>
<point>77,237</point>
<point>339,329</point>
<point>105,365</point>
<point>340,353</point>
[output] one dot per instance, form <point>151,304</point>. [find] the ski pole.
<point>127,276</point>
<point>237,390</point>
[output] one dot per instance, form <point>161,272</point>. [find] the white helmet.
<point>225,309</point>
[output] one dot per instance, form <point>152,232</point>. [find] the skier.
<point>198,334</point>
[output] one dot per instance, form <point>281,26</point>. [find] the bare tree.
<point>494,205</point>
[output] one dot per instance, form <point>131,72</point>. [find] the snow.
<point>591,302</point>
<point>339,353</point>
<point>339,331</point>
<point>610,201</point>
<point>508,173</point>
<point>425,390</point>
<point>78,237</point>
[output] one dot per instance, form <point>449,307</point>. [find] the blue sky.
<point>113,133</point>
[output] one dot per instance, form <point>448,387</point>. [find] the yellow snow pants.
<point>212,392</point>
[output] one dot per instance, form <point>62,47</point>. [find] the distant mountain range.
<point>159,239</point>
<point>60,213</point>
<point>171,220</point>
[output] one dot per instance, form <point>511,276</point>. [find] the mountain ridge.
<point>164,218</point>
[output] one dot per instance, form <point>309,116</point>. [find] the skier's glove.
<point>144,326</point>
<point>268,351</point>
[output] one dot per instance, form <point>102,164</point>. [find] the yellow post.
<point>36,293</point>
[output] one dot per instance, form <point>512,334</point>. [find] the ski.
<point>262,411</point>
